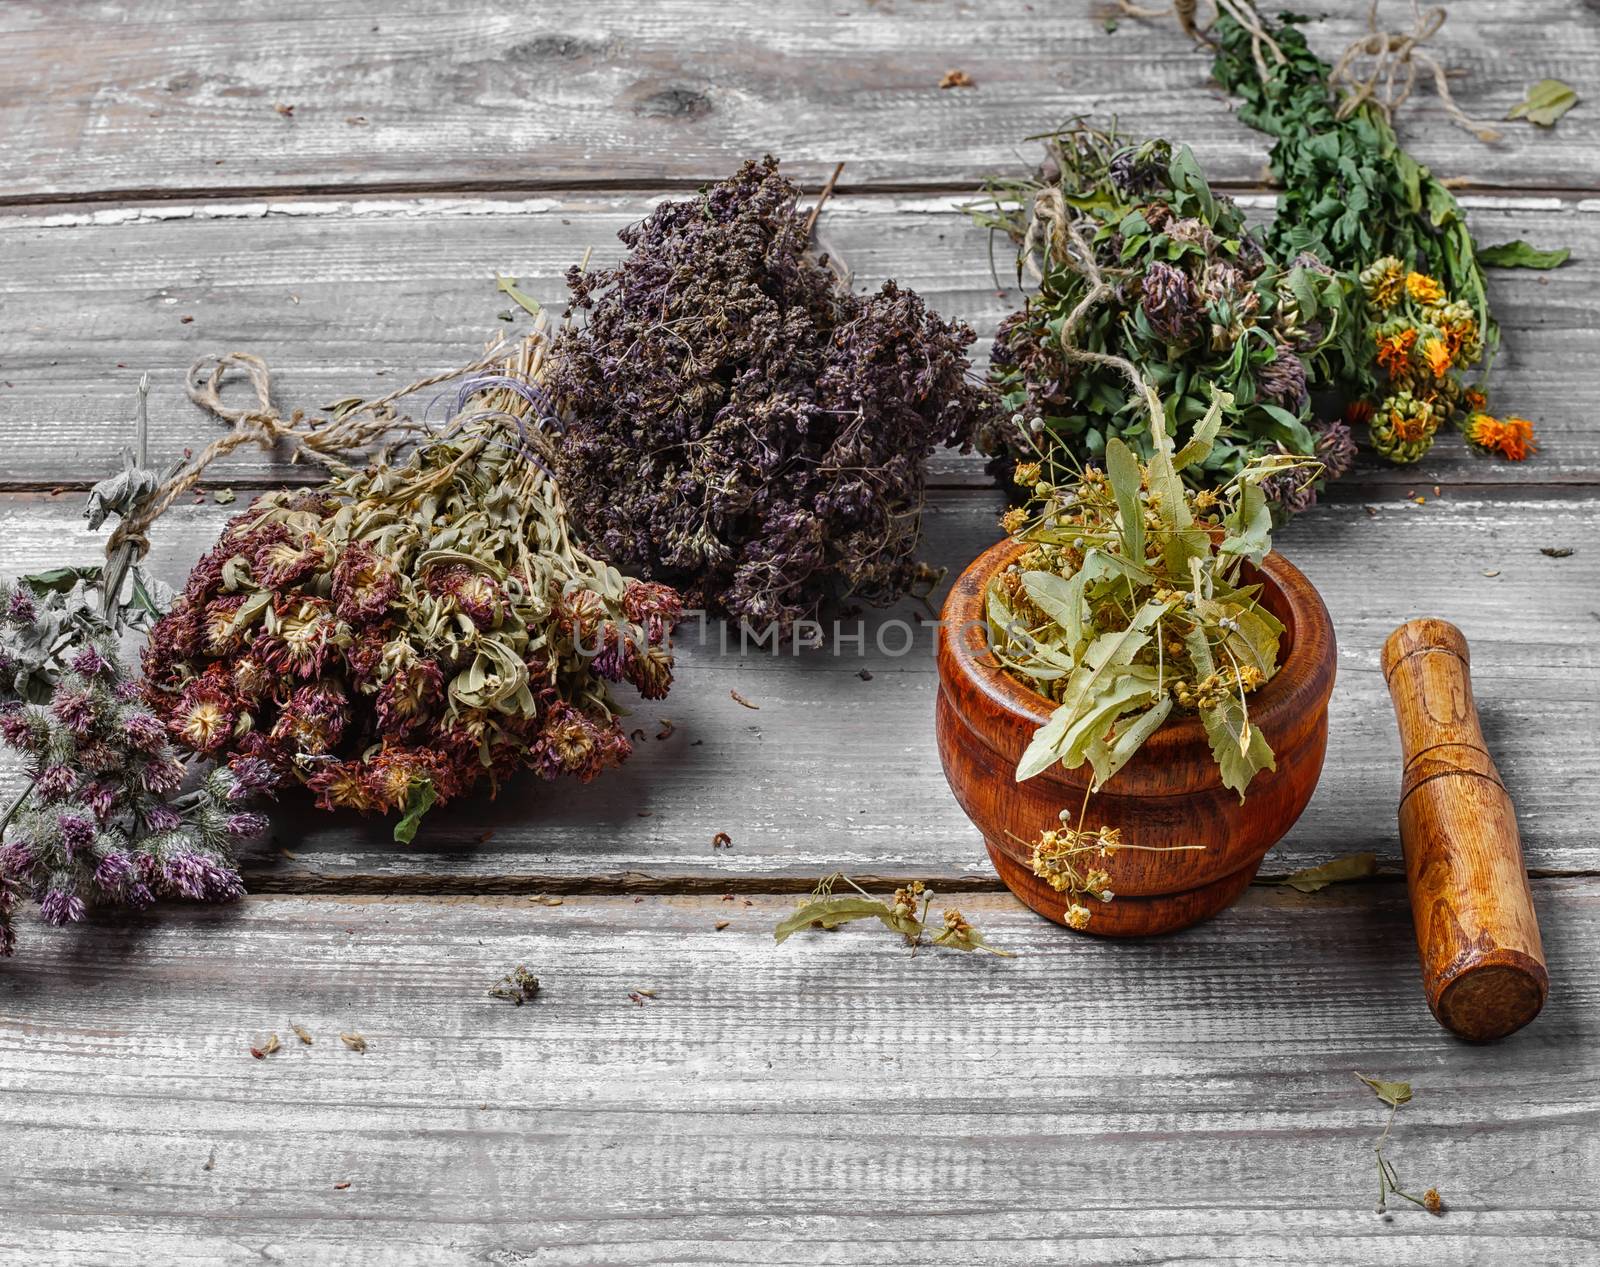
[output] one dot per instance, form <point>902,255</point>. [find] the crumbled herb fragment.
<point>518,986</point>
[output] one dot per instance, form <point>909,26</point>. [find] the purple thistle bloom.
<point>75,709</point>
<point>90,663</point>
<point>198,876</point>
<point>54,783</point>
<point>59,906</point>
<point>145,733</point>
<point>114,872</point>
<point>101,798</point>
<point>138,896</point>
<point>77,832</point>
<point>162,777</point>
<point>251,777</point>
<point>19,730</point>
<point>244,826</point>
<point>161,818</point>
<point>21,608</point>
<point>16,857</point>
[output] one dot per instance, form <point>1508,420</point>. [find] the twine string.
<point>1379,68</point>
<point>352,429</point>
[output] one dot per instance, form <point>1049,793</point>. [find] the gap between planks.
<point>665,185</point>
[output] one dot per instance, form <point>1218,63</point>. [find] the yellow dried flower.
<point>1424,289</point>
<point>1078,917</point>
<point>1381,281</point>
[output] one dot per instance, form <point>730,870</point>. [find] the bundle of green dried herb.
<point>1128,604</point>
<point>738,423</point>
<point>1137,260</point>
<point>392,637</point>
<point>1352,197</point>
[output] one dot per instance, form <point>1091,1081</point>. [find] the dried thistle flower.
<point>739,423</point>
<point>394,636</point>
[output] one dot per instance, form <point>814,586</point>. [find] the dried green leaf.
<point>1520,254</point>
<point>1240,749</point>
<point>831,912</point>
<point>60,580</point>
<point>1354,866</point>
<point>1546,102</point>
<point>420,796</point>
<point>1391,1093</point>
<point>1107,759</point>
<point>1123,470</point>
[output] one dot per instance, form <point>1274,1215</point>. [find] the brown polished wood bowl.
<point>1170,793</point>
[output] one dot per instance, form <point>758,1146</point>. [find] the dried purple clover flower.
<point>101,822</point>
<point>1169,302</point>
<point>393,637</point>
<point>739,423</point>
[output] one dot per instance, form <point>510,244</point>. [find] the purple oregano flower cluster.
<point>742,426</point>
<point>105,819</point>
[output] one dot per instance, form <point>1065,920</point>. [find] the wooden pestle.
<point>1482,962</point>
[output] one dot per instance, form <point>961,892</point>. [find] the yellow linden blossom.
<point>1424,289</point>
<point>1078,917</point>
<point>1014,520</point>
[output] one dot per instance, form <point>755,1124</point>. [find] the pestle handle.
<point>1483,966</point>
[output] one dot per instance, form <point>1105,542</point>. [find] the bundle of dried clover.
<point>393,637</point>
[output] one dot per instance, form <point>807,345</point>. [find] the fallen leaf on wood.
<point>957,79</point>
<point>1391,1093</point>
<point>301,1032</point>
<point>1556,552</point>
<point>1353,866</point>
<point>355,1042</point>
<point>740,699</point>
<point>1546,102</point>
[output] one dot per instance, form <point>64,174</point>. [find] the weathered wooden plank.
<point>834,771</point>
<point>186,94</point>
<point>832,1100</point>
<point>345,297</point>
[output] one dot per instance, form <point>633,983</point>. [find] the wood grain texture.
<point>347,297</point>
<point>111,96</point>
<point>1483,966</point>
<point>832,1100</point>
<point>1164,802</point>
<point>884,809</point>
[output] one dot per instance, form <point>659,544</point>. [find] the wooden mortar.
<point>1483,966</point>
<point>1170,793</point>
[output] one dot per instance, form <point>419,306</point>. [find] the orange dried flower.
<point>1394,351</point>
<point>1512,438</point>
<point>1438,355</point>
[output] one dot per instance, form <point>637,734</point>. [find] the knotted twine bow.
<point>355,426</point>
<point>1390,75</point>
